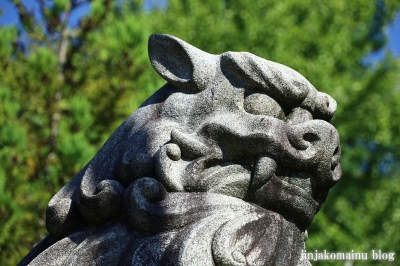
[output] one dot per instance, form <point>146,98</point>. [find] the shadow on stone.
<point>226,164</point>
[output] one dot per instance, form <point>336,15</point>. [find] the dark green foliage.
<point>64,90</point>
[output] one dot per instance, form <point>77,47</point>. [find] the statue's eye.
<point>261,104</point>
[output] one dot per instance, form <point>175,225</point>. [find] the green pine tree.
<point>64,89</point>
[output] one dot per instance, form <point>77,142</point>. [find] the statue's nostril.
<point>310,137</point>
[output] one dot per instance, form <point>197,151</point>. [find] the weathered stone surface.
<point>226,164</point>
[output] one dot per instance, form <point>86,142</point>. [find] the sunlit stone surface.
<point>226,164</point>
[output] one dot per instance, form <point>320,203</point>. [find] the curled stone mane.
<point>226,164</point>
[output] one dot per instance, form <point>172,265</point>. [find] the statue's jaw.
<point>258,182</point>
<point>292,202</point>
<point>287,169</point>
<point>290,196</point>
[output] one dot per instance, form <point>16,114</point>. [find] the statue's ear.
<point>180,63</point>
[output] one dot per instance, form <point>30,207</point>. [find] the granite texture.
<point>226,164</point>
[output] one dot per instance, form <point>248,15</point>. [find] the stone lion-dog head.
<point>226,164</point>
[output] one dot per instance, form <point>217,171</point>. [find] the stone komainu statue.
<point>226,164</point>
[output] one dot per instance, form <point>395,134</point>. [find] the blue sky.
<point>10,17</point>
<point>394,36</point>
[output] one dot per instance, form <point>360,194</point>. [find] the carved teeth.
<point>173,152</point>
<point>264,170</point>
<point>191,147</point>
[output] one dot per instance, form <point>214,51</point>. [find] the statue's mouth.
<point>292,194</point>
<point>297,195</point>
<point>294,202</point>
<point>285,169</point>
